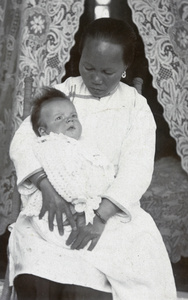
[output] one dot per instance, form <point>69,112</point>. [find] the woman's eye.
<point>88,69</point>
<point>108,73</point>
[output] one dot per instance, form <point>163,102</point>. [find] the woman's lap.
<point>30,287</point>
<point>126,254</point>
<point>29,254</point>
<point>135,261</point>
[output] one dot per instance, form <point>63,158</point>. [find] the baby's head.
<point>53,111</point>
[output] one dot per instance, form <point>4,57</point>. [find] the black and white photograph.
<point>94,149</point>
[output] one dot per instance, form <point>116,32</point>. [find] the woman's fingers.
<point>81,244</point>
<point>66,222</point>
<point>70,217</point>
<point>93,244</point>
<point>55,205</point>
<point>42,212</point>
<point>59,220</point>
<point>81,221</point>
<point>80,241</point>
<point>71,237</point>
<point>85,234</point>
<point>51,215</point>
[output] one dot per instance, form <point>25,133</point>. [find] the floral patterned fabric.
<point>166,201</point>
<point>163,26</point>
<point>35,41</point>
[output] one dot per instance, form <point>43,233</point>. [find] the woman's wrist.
<point>106,210</point>
<point>100,217</point>
<point>37,178</point>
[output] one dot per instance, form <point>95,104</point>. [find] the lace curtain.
<point>35,41</point>
<point>163,26</point>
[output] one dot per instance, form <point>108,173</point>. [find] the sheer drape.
<point>163,26</point>
<point>35,41</point>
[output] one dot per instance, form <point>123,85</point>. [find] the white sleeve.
<point>136,161</point>
<point>21,153</point>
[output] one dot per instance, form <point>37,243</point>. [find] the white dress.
<point>130,259</point>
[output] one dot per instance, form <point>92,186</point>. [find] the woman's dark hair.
<point>114,31</point>
<point>47,95</point>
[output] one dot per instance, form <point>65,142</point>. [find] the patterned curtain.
<point>163,26</point>
<point>35,41</point>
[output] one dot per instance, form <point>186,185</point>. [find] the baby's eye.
<point>75,116</point>
<point>58,118</point>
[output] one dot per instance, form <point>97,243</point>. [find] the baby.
<point>77,171</point>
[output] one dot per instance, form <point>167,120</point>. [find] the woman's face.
<point>101,66</point>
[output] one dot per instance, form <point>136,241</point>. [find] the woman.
<point>118,120</point>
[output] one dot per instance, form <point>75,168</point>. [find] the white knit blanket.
<point>77,171</point>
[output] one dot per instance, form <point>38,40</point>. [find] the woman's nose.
<point>97,79</point>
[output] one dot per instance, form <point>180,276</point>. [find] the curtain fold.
<point>36,37</point>
<point>163,26</point>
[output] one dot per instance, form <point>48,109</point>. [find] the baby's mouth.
<point>71,128</point>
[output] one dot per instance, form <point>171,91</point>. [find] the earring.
<point>124,74</point>
<point>41,131</point>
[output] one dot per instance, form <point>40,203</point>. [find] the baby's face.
<point>60,116</point>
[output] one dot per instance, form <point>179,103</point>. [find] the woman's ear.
<point>42,131</point>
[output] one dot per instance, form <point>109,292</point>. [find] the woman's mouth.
<point>96,92</point>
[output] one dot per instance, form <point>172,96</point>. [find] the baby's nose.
<point>68,120</point>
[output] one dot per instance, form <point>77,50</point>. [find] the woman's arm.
<point>21,152</point>
<point>136,161</point>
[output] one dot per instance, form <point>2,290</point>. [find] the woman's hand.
<point>53,203</point>
<point>79,238</point>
